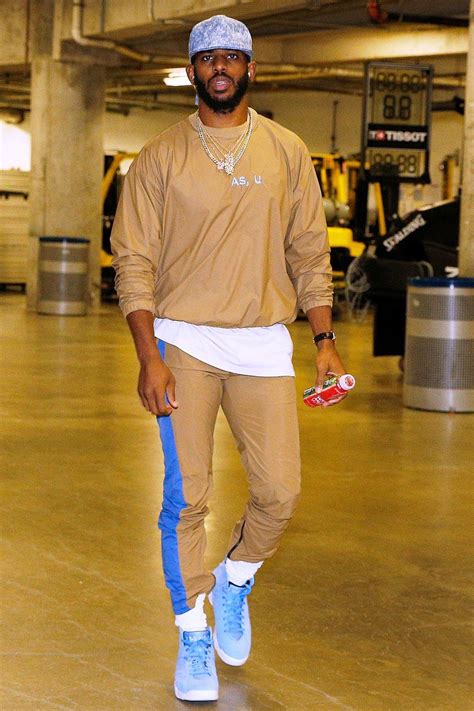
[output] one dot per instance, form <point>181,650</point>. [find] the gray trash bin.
<point>63,279</point>
<point>439,345</point>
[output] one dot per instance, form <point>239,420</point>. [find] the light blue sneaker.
<point>232,634</point>
<point>196,678</point>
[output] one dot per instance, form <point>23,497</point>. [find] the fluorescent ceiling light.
<point>177,77</point>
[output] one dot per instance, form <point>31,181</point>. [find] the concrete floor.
<point>367,605</point>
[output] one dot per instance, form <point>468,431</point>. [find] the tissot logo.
<point>399,136</point>
<point>393,136</point>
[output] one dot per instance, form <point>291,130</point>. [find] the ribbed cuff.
<point>310,303</point>
<point>136,305</point>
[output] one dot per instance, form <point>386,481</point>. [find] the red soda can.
<point>332,387</point>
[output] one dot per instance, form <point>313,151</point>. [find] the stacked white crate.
<point>14,226</point>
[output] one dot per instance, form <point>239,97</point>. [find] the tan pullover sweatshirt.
<point>194,244</point>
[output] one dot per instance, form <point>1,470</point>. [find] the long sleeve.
<point>136,236</point>
<point>306,243</point>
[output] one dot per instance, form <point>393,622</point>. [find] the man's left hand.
<point>328,362</point>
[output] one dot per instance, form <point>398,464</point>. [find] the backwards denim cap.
<point>220,32</point>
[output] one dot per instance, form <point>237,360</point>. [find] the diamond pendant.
<point>229,163</point>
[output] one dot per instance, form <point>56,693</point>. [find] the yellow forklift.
<point>337,181</point>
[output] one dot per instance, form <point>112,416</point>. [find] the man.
<point>219,238</point>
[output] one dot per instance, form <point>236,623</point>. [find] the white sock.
<point>194,620</point>
<point>239,571</point>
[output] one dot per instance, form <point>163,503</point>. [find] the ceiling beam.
<point>121,19</point>
<point>356,45</point>
<point>242,9</point>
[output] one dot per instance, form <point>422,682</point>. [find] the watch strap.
<point>325,335</point>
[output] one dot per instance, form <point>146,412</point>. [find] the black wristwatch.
<point>325,335</point>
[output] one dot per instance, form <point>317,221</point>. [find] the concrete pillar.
<point>67,111</point>
<point>466,240</point>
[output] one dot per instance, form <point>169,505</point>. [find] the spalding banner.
<point>429,234</point>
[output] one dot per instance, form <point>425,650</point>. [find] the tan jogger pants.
<point>261,412</point>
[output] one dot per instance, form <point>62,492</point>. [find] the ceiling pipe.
<point>150,105</point>
<point>76,29</point>
<point>15,88</point>
<point>19,105</point>
<point>292,72</point>
<point>78,37</point>
<point>341,73</point>
<point>269,74</point>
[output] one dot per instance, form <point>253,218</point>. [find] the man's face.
<point>221,78</point>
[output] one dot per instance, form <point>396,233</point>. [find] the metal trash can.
<point>439,345</point>
<point>63,279</point>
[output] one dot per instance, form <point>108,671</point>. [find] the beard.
<point>222,106</point>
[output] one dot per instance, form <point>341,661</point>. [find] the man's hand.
<point>328,362</point>
<point>156,383</point>
<point>156,386</point>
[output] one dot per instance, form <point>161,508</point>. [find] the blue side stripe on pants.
<point>173,504</point>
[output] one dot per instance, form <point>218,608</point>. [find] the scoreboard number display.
<point>396,126</point>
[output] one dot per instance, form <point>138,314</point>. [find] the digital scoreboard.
<point>396,126</point>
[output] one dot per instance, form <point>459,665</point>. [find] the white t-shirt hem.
<point>261,351</point>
